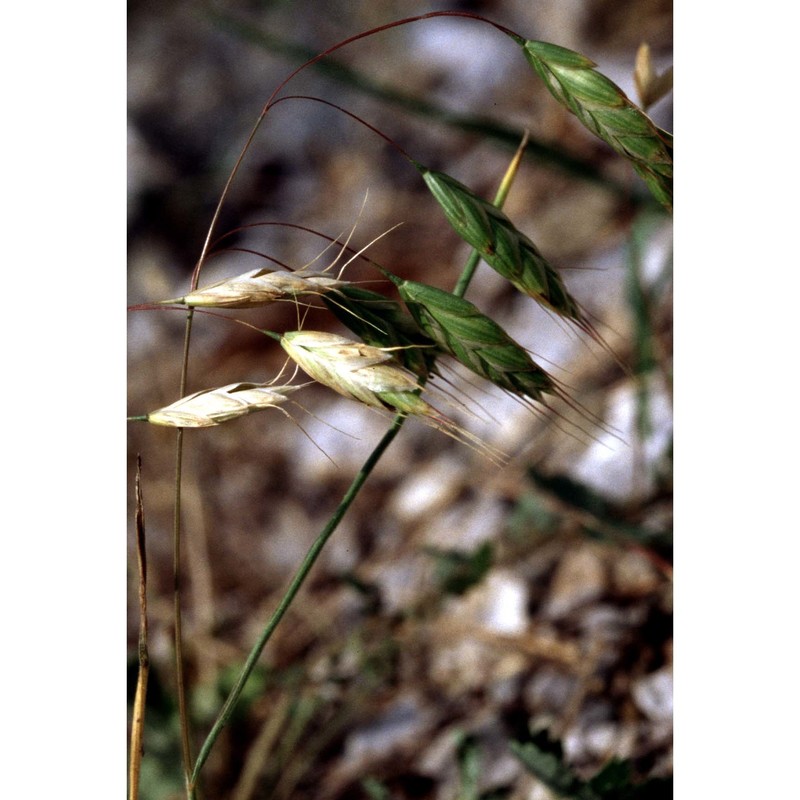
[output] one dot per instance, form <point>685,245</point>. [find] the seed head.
<point>259,287</point>
<point>605,110</point>
<point>372,376</point>
<point>214,406</point>
<point>353,369</point>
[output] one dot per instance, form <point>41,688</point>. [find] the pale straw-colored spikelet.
<point>371,375</point>
<point>259,287</point>
<point>353,369</point>
<point>214,406</point>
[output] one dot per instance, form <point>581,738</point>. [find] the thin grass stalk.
<point>180,683</point>
<point>640,306</point>
<point>137,722</point>
<point>271,100</point>
<point>319,543</point>
<point>291,592</point>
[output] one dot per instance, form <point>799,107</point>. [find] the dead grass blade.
<point>137,723</point>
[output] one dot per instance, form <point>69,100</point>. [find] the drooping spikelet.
<point>259,287</point>
<point>214,406</point>
<point>475,340</point>
<point>354,369</point>
<point>372,376</point>
<point>605,110</point>
<point>507,250</point>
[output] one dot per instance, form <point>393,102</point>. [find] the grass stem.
<point>183,712</point>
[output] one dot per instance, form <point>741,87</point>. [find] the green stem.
<point>294,587</point>
<point>183,712</point>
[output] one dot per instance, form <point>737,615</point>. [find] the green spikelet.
<point>475,340</point>
<point>605,110</point>
<point>507,250</point>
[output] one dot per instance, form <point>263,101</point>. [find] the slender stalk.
<point>333,522</point>
<point>180,681</point>
<point>484,126</point>
<point>294,587</point>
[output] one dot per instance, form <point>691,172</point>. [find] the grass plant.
<point>396,365</point>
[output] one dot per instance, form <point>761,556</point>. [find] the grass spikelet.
<point>605,110</point>
<point>475,340</point>
<point>372,376</point>
<point>214,406</point>
<point>259,287</point>
<point>507,250</point>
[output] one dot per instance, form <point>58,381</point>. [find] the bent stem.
<point>333,522</point>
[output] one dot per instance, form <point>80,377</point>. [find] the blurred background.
<point>459,605</point>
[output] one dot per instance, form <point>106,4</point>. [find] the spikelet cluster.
<point>260,287</point>
<point>606,111</point>
<point>214,406</point>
